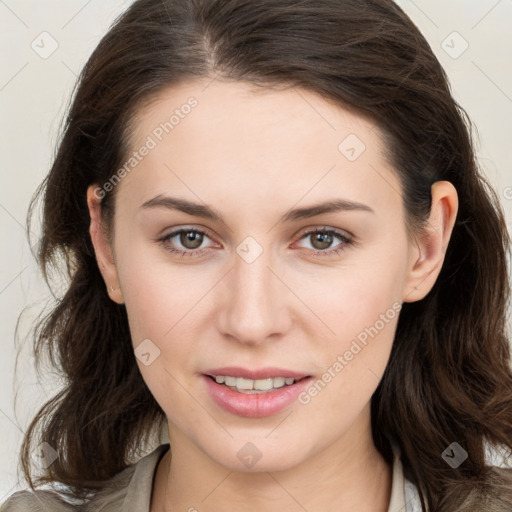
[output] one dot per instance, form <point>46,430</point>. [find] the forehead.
<point>216,135</point>
<point>241,109</point>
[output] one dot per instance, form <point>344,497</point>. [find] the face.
<point>253,278</point>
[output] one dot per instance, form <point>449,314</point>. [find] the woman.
<point>281,252</point>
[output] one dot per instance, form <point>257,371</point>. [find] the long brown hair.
<point>448,378</point>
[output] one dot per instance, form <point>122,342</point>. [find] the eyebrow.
<point>207,212</point>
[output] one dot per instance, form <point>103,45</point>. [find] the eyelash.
<point>328,252</point>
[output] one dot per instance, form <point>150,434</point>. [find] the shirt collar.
<point>397,501</point>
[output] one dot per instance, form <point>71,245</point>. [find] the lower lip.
<point>254,405</point>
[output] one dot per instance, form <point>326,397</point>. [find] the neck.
<point>349,475</point>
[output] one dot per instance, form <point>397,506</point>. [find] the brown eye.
<point>191,239</point>
<point>322,240</point>
<point>184,242</point>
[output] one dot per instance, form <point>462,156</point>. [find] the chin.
<point>255,456</point>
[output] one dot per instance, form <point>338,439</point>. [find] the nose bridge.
<point>255,307</point>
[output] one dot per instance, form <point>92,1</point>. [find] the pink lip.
<point>263,373</point>
<point>255,405</point>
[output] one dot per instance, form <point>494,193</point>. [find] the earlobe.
<point>102,248</point>
<point>427,256</point>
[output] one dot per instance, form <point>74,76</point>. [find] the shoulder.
<point>38,501</point>
<point>129,490</point>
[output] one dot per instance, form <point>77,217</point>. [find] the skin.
<point>253,155</point>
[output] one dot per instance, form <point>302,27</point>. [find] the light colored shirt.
<point>130,491</point>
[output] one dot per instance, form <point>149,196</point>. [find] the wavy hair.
<point>449,376</point>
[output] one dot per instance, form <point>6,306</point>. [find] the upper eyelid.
<point>337,231</point>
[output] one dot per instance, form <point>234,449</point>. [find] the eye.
<point>323,238</point>
<point>189,238</point>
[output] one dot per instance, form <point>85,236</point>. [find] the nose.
<point>255,302</point>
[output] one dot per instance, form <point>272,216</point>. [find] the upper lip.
<point>255,374</point>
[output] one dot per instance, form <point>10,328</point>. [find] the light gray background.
<point>33,96</point>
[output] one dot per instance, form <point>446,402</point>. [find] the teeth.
<point>230,381</point>
<point>248,385</point>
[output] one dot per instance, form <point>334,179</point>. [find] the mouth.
<point>254,393</point>
<point>254,386</point>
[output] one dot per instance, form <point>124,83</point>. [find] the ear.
<point>427,257</point>
<point>102,248</point>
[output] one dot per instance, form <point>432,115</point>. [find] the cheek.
<point>157,293</point>
<point>355,358</point>
<point>162,302</point>
<point>358,297</point>
<point>362,310</point>
<point>159,306</point>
